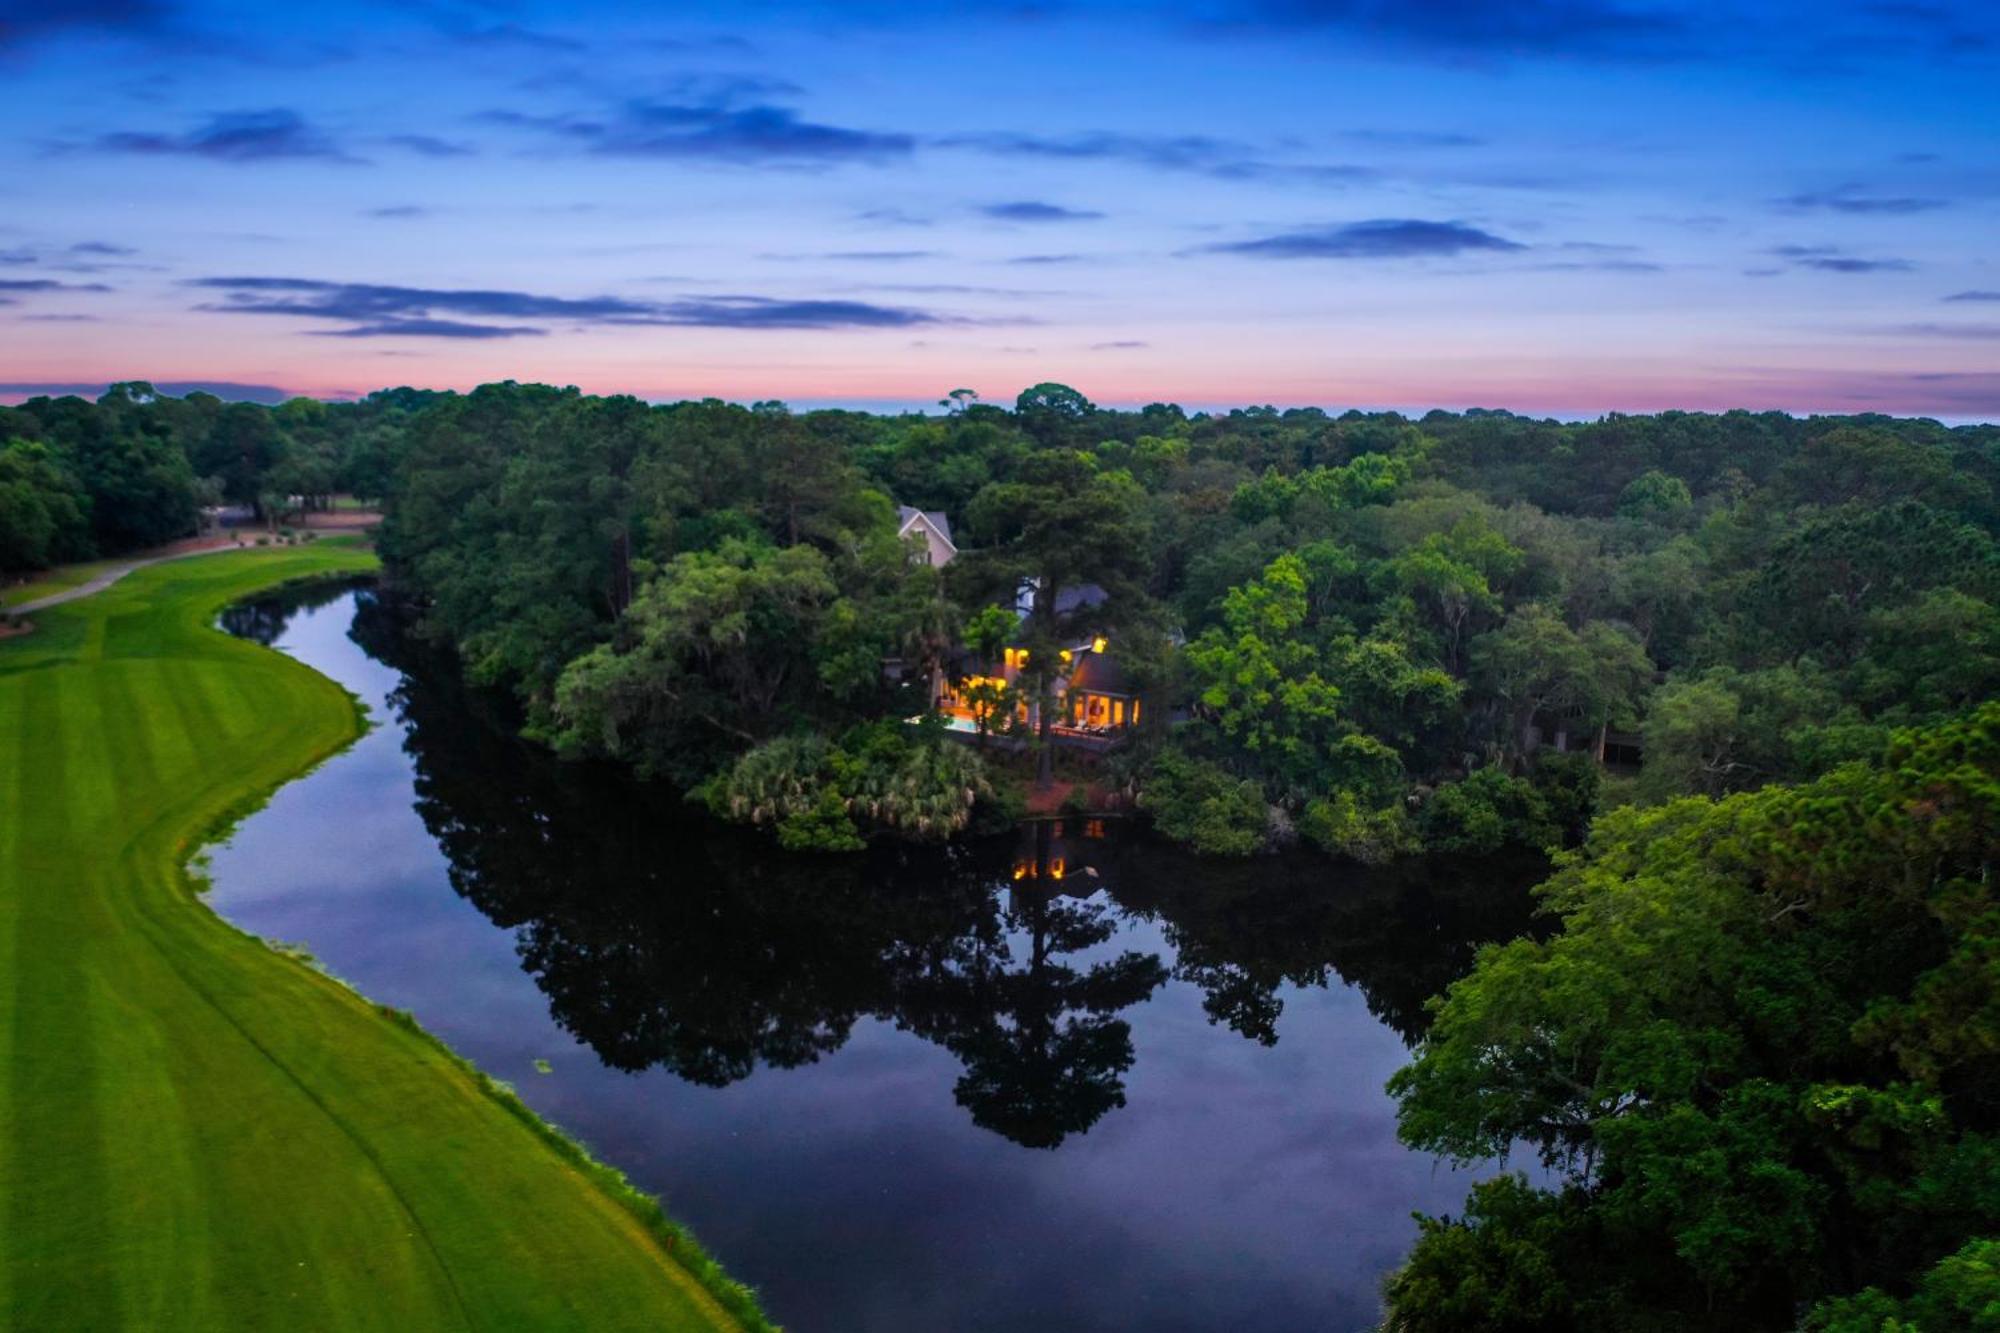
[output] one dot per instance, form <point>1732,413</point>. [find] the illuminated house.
<point>1095,700</point>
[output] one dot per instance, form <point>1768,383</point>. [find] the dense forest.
<point>137,468</point>
<point>1375,634</point>
<point>1735,662</point>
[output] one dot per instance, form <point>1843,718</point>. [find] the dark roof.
<point>1100,673</point>
<point>1082,595</point>
<point>906,513</point>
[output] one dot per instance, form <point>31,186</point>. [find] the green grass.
<point>60,579</point>
<point>200,1132</point>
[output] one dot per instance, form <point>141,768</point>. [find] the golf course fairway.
<point>197,1132</point>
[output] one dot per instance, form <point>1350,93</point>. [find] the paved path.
<point>106,579</point>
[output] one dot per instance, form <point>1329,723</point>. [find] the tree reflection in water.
<point>661,938</point>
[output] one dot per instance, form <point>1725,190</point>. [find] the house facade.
<point>932,528</point>
<point>1095,700</point>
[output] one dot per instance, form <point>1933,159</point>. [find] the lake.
<point>1072,1079</point>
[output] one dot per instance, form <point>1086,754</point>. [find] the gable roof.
<point>907,516</point>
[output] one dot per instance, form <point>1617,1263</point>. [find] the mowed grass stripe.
<point>275,1152</point>
<point>58,1190</point>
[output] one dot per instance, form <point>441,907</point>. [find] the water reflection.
<point>663,940</point>
<point>832,1067</point>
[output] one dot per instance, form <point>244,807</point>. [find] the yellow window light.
<point>1098,644</point>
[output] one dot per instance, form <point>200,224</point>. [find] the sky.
<point>1562,207</point>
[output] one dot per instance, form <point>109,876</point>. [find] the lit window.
<point>1097,645</point>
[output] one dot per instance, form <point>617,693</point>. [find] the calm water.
<point>907,1091</point>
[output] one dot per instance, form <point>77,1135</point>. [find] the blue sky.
<point>1569,207</point>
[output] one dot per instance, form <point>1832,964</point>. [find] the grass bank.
<point>197,1132</point>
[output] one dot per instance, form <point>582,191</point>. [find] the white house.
<point>933,527</point>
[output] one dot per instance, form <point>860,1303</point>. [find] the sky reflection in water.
<point>895,1091</point>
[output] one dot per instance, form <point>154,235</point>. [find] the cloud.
<point>392,211</point>
<point>1198,154</point>
<point>1967,332</point>
<point>1378,238</point>
<point>1460,28</point>
<point>1829,259</point>
<point>1414,138</point>
<point>1853,198</point>
<point>432,328</point>
<point>864,256</point>
<point>1842,264</point>
<point>377,311</point>
<point>956,289</point>
<point>761,312</point>
<point>26,21</point>
<point>58,319</point>
<point>893,217</point>
<point>1046,259</point>
<point>1034,210</point>
<point>511,35</point>
<point>49,285</point>
<point>716,132</point>
<point>1974,296</point>
<point>102,248</point>
<point>429,145</point>
<point>275,134</point>
<point>1599,266</point>
<point>1119,345</point>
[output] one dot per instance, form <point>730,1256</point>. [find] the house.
<point>933,527</point>
<point>1095,698</point>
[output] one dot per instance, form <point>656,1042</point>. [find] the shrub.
<point>1342,825</point>
<point>1199,803</point>
<point>1569,784</point>
<point>1485,812</point>
<point>823,797</point>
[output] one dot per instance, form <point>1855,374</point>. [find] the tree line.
<point>1372,626</point>
<point>136,468</point>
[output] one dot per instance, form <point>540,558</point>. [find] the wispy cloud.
<point>27,285</point>
<point>1462,28</point>
<point>715,132</point>
<point>371,310</point>
<point>429,145</point>
<point>1377,238</point>
<point>1854,198</point>
<point>1198,154</point>
<point>433,328</point>
<point>1035,210</point>
<point>1974,296</point>
<point>1382,138</point>
<point>506,35</point>
<point>1830,259</point>
<point>1963,332</point>
<point>368,310</point>
<point>759,312</point>
<point>1119,345</point>
<point>862,256</point>
<point>390,212</point>
<point>274,134</point>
